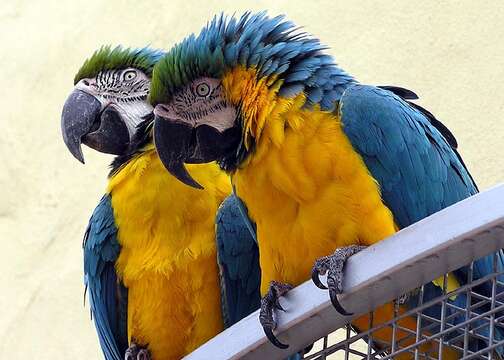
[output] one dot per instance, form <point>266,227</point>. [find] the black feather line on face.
<point>111,86</point>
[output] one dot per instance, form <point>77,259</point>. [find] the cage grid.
<point>417,255</point>
<point>455,337</point>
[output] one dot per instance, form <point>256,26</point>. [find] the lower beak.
<point>83,121</point>
<point>173,144</point>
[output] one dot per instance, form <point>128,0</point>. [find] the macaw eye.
<point>129,75</point>
<point>203,89</point>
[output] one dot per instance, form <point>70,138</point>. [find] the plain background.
<point>451,54</point>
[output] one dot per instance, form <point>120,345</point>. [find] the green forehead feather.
<point>108,58</point>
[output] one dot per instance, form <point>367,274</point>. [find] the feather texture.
<point>314,179</point>
<point>168,253</point>
<point>108,58</point>
<point>413,159</point>
<point>108,304</point>
<point>238,258</point>
<point>273,46</point>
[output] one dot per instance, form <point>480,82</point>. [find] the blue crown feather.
<point>272,46</point>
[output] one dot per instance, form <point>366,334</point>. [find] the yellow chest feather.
<point>168,254</point>
<point>309,192</point>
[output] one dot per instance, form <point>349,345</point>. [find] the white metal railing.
<point>434,246</point>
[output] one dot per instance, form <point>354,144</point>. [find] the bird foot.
<point>135,352</point>
<point>269,303</point>
<point>405,298</point>
<point>333,265</point>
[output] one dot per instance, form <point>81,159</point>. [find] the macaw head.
<point>217,94</point>
<point>109,100</point>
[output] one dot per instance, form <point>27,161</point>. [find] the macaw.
<point>164,274</point>
<point>321,161</point>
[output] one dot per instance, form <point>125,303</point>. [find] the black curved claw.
<point>337,305</point>
<point>143,354</point>
<point>308,348</point>
<point>271,337</point>
<point>131,352</point>
<point>278,306</point>
<point>269,303</point>
<point>316,279</point>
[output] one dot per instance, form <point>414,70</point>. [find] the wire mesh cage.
<point>459,322</point>
<point>478,323</point>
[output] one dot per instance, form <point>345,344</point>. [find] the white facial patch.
<point>221,120</point>
<point>126,90</point>
<point>201,103</point>
<point>133,113</point>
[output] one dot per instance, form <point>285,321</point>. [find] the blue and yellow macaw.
<point>155,286</point>
<point>321,161</point>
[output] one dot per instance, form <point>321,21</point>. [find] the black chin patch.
<point>178,143</point>
<point>207,145</point>
<point>111,137</point>
<point>213,145</point>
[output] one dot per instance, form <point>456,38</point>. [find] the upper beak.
<point>83,121</point>
<point>173,142</point>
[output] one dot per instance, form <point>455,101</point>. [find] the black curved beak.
<point>83,121</point>
<point>173,144</point>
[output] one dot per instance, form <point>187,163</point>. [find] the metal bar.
<point>370,337</point>
<point>347,344</point>
<point>483,351</point>
<point>492,306</point>
<point>419,319</point>
<point>468,308</point>
<point>443,315</point>
<point>440,334</point>
<point>418,334</point>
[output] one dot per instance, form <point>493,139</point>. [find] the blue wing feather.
<point>415,162</point>
<point>397,141</point>
<point>107,297</point>
<point>238,258</point>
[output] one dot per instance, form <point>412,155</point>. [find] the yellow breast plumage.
<point>327,195</point>
<point>168,254</point>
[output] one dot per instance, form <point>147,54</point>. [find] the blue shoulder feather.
<point>107,296</point>
<point>417,169</point>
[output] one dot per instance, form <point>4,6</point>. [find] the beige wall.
<point>450,54</point>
